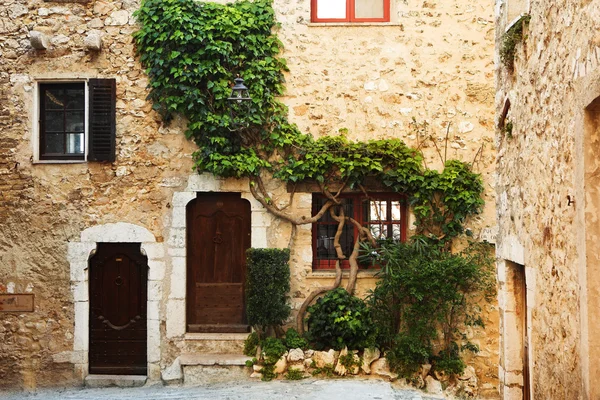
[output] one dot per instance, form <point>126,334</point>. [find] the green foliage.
<point>449,360</point>
<point>510,39</point>
<point>339,319</point>
<point>349,362</point>
<point>294,374</point>
<point>192,50</point>
<point>327,370</point>
<point>272,350</point>
<point>268,282</point>
<point>251,344</point>
<point>507,129</point>
<point>250,363</point>
<point>293,340</point>
<point>428,295</point>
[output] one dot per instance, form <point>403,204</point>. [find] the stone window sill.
<point>353,24</point>
<point>362,274</point>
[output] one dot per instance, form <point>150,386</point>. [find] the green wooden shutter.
<point>102,123</point>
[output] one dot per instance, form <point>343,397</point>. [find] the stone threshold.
<point>216,336</point>
<point>212,359</point>
<point>99,381</point>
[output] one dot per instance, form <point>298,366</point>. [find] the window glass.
<point>331,9</point>
<point>62,120</point>
<point>368,9</point>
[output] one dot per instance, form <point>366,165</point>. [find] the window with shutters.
<point>385,214</point>
<point>76,121</point>
<point>350,10</point>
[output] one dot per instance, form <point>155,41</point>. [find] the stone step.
<point>99,381</point>
<point>214,343</point>
<point>205,368</point>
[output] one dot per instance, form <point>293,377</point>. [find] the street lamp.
<point>239,102</point>
<point>239,92</point>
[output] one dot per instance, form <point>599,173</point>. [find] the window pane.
<point>75,143</point>
<point>54,121</point>
<point>368,9</point>
<point>75,99</point>
<point>396,211</point>
<point>55,143</point>
<point>378,231</point>
<point>396,232</point>
<point>53,100</point>
<point>331,9</point>
<point>378,210</point>
<point>74,121</point>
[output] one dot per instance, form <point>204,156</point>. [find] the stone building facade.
<point>547,202</point>
<point>432,62</point>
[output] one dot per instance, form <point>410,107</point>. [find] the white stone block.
<point>80,251</point>
<point>117,18</point>
<point>203,183</point>
<point>154,291</point>
<point>259,237</point>
<point>153,250</point>
<point>177,251</point>
<point>93,41</point>
<point>173,372</point>
<point>157,270</point>
<point>260,218</point>
<point>254,204</point>
<point>81,333</point>
<point>38,40</point>
<point>153,341</point>
<point>179,217</point>
<point>79,271</point>
<point>153,310</point>
<point>175,318</point>
<point>177,237</point>
<point>120,232</point>
<point>80,291</point>
<point>304,201</point>
<point>178,278</point>
<point>180,199</point>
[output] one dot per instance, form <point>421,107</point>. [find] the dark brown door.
<point>218,237</point>
<point>118,292</point>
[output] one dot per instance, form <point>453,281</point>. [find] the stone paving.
<point>309,389</point>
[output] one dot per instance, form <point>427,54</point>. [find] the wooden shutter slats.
<point>102,119</point>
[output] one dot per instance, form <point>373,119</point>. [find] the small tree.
<point>267,287</point>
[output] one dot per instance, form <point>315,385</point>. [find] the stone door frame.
<point>79,253</point>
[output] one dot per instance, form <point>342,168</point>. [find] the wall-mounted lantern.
<point>239,105</point>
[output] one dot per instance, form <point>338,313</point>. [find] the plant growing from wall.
<point>511,38</point>
<point>192,50</point>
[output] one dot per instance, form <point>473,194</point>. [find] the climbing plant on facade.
<point>191,51</point>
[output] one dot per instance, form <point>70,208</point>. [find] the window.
<point>350,10</point>
<point>77,120</point>
<point>383,213</point>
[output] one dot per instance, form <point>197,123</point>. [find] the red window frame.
<point>357,202</point>
<point>350,17</point>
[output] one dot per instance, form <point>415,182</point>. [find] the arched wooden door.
<point>218,236</point>
<point>118,294</point>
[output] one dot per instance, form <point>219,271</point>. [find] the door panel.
<point>118,294</point>
<point>218,237</point>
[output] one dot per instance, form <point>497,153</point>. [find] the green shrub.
<point>449,361</point>
<point>251,344</point>
<point>426,296</point>
<point>510,39</point>
<point>339,319</point>
<point>294,374</point>
<point>293,340</point>
<point>327,370</point>
<point>272,350</point>
<point>268,283</point>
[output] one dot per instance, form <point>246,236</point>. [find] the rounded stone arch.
<point>79,253</point>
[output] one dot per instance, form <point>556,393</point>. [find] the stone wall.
<point>433,63</point>
<point>546,208</point>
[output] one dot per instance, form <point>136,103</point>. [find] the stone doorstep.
<point>212,359</point>
<point>99,381</point>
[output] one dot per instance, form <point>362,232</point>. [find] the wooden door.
<point>118,293</point>
<point>218,237</point>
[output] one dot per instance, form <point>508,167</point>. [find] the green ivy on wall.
<point>192,50</point>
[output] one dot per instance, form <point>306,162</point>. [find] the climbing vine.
<point>192,50</point>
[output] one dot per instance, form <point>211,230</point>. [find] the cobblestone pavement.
<point>310,389</point>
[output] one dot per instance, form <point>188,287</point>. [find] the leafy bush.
<point>339,319</point>
<point>294,374</point>
<point>272,350</point>
<point>251,344</point>
<point>293,340</point>
<point>426,296</point>
<point>449,361</point>
<point>267,287</point>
